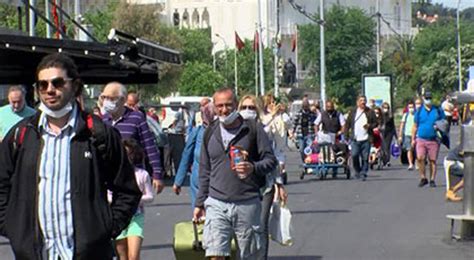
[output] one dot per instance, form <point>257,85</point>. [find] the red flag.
<point>239,44</point>
<point>294,42</point>
<point>56,19</point>
<point>255,41</point>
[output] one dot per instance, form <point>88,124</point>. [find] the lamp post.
<point>459,47</point>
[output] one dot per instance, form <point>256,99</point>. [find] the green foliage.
<point>350,37</point>
<point>246,68</point>
<point>199,79</point>
<point>101,20</point>
<point>196,45</point>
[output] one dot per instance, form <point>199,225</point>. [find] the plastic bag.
<point>279,226</point>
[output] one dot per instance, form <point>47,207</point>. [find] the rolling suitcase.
<point>187,244</point>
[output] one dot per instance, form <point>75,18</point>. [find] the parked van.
<point>171,105</point>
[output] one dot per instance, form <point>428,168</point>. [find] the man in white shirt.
<point>358,128</point>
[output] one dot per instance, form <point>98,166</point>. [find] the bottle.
<point>236,157</point>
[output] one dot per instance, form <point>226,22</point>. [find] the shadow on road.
<point>326,211</point>
<point>154,247</point>
<point>299,257</point>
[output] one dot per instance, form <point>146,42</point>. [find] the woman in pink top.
<point>128,243</point>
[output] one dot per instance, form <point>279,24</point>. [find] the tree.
<point>101,20</point>
<point>350,38</point>
<point>246,67</point>
<point>442,75</point>
<point>196,45</point>
<point>199,79</point>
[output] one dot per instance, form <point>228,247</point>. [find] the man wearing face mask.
<point>228,196</point>
<point>425,137</point>
<point>15,111</point>
<point>54,177</point>
<point>303,127</point>
<point>131,124</point>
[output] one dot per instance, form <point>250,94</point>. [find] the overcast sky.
<point>454,3</point>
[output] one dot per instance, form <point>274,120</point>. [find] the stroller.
<point>321,158</point>
<point>375,156</point>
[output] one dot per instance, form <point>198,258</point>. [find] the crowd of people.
<point>96,171</point>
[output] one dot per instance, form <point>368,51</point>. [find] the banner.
<point>378,88</point>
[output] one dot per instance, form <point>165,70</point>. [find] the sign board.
<point>378,87</point>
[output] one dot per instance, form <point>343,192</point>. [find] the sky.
<point>454,3</point>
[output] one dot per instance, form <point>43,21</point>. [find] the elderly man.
<point>229,191</point>
<point>53,183</point>
<point>131,124</point>
<point>15,111</point>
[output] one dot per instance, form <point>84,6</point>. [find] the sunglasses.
<point>58,83</point>
<point>248,107</point>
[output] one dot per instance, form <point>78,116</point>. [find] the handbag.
<point>279,226</point>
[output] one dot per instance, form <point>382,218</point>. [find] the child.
<point>128,243</point>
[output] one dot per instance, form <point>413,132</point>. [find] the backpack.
<point>94,124</point>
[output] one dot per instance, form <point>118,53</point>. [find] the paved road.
<point>386,217</point>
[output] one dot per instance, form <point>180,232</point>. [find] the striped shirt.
<point>133,124</point>
<point>54,203</point>
<point>303,124</point>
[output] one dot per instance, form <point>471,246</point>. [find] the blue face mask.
<point>427,102</point>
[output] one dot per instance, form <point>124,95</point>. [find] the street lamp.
<point>459,46</point>
<point>226,48</point>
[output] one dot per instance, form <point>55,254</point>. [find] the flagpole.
<point>260,48</point>
<point>296,55</point>
<point>235,73</point>
<point>256,64</point>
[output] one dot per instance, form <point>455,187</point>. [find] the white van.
<point>171,105</point>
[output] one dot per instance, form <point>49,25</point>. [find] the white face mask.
<point>428,102</point>
<point>417,106</point>
<point>229,119</point>
<point>109,106</point>
<point>56,113</point>
<point>411,110</point>
<point>385,110</point>
<point>248,114</point>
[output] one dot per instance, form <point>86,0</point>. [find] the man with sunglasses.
<point>424,135</point>
<point>15,111</point>
<point>54,176</point>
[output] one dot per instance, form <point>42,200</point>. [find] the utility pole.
<point>31,15</point>
<point>459,47</point>
<point>276,51</point>
<point>378,36</point>
<point>260,48</point>
<point>322,55</point>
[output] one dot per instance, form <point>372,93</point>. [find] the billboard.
<point>377,87</point>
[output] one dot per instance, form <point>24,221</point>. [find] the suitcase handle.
<point>197,245</point>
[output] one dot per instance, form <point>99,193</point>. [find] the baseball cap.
<point>428,95</point>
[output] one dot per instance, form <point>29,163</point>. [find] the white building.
<point>226,16</point>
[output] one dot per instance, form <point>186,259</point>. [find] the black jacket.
<point>350,122</point>
<point>95,222</point>
<point>218,180</point>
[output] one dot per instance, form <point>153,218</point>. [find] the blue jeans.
<point>303,143</point>
<point>360,152</point>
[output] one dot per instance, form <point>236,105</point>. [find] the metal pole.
<point>297,67</point>
<point>459,47</point>
<point>378,37</point>
<point>47,14</point>
<point>256,67</point>
<point>276,56</point>
<point>236,78</point>
<point>77,16</point>
<point>260,48</point>
<point>31,14</point>
<point>322,54</point>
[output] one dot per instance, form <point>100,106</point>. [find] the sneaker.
<point>357,175</point>
<point>423,182</point>
<point>388,164</point>
<point>364,177</point>
<point>410,168</point>
<point>432,184</point>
